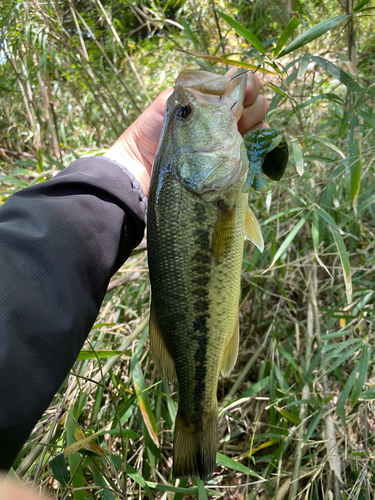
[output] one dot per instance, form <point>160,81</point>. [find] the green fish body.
<point>197,213</point>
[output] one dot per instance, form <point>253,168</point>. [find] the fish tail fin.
<point>194,450</point>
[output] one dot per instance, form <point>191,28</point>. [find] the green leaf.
<point>340,407</point>
<point>355,160</point>
<point>297,155</point>
<point>313,425</point>
<point>289,416</point>
<point>286,34</point>
<point>276,89</point>
<point>289,357</point>
<point>244,32</point>
<point>12,180</point>
<point>231,464</point>
<point>320,97</point>
<point>144,402</point>
<point>90,354</point>
<point>255,388</point>
<point>201,489</point>
<point>75,459</point>
<point>313,33</point>
<point>367,118</point>
<point>190,33</point>
<point>361,4</point>
<point>337,73</point>
<point>330,145</point>
<point>290,238</point>
<point>59,469</point>
<point>303,65</point>
<point>361,375</point>
<point>344,258</point>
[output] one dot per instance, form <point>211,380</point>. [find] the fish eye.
<point>184,111</point>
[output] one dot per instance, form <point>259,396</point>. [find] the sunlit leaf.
<point>289,238</point>
<point>297,155</point>
<point>90,354</point>
<point>244,32</point>
<point>144,402</point>
<point>286,34</point>
<point>329,144</point>
<point>313,33</point>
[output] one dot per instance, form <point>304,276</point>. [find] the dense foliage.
<point>297,412</point>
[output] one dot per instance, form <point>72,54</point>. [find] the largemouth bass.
<point>197,218</point>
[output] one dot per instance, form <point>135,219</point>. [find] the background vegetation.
<point>297,413</point>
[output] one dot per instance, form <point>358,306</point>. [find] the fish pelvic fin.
<point>194,449</point>
<point>253,230</point>
<point>231,351</point>
<point>161,356</point>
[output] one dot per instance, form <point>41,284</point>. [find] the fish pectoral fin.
<point>231,351</point>
<point>253,231</point>
<point>162,358</point>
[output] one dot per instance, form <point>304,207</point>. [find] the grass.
<point>297,412</point>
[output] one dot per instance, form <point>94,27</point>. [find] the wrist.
<point>125,152</point>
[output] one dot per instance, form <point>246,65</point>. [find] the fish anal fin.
<point>161,356</point>
<point>194,448</point>
<point>231,351</point>
<point>253,231</point>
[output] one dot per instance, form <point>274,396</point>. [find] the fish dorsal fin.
<point>162,358</point>
<point>253,230</point>
<point>231,351</point>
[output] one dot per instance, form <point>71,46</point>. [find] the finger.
<point>253,114</point>
<point>259,126</point>
<point>252,89</point>
<point>231,71</point>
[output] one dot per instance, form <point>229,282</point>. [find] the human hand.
<point>17,491</point>
<point>137,146</point>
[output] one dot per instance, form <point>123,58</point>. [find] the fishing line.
<point>247,71</point>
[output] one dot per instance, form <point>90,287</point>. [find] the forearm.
<point>60,243</point>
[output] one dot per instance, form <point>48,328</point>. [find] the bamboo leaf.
<point>144,402</point>
<point>244,32</point>
<point>201,489</point>
<point>340,407</point>
<point>360,5</point>
<point>330,145</point>
<point>89,354</point>
<point>12,180</point>
<point>355,159</point>
<point>313,33</point>
<point>231,464</point>
<point>289,416</point>
<point>59,469</point>
<point>189,33</point>
<point>337,73</point>
<point>361,375</point>
<point>303,65</point>
<point>344,258</point>
<point>297,155</point>
<point>289,238</point>
<point>286,34</point>
<point>313,425</point>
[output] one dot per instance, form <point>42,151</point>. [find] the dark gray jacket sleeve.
<point>60,243</point>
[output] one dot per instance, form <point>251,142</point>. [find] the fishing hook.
<point>247,71</point>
